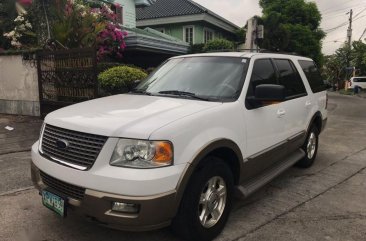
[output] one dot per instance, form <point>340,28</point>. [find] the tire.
<point>310,148</point>
<point>189,222</point>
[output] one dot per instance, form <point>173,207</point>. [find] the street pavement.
<point>325,202</point>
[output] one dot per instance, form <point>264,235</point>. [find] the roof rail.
<point>221,50</point>
<point>278,52</point>
<point>268,51</point>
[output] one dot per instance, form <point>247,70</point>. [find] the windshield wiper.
<point>184,93</point>
<point>143,92</point>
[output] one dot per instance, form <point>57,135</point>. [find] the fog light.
<point>125,207</point>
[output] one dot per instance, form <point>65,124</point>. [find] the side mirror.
<point>268,92</point>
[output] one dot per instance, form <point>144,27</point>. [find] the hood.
<point>129,116</point>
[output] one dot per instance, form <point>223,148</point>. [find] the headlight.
<point>142,154</point>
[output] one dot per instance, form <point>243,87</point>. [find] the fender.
<point>316,115</point>
<point>197,160</point>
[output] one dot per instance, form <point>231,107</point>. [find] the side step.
<point>253,185</point>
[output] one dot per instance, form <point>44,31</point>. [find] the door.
<point>265,125</point>
<point>298,103</point>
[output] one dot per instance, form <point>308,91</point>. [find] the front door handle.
<point>281,113</point>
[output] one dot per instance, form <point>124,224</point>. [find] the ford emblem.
<point>62,144</point>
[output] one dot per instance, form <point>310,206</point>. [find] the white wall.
<point>18,86</point>
<point>129,12</point>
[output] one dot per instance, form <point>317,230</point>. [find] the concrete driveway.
<point>325,202</point>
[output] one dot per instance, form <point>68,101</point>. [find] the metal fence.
<point>66,77</point>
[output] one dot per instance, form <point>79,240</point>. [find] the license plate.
<point>54,202</point>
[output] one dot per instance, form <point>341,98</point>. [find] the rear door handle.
<point>308,103</point>
<point>281,113</point>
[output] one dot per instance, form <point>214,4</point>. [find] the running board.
<point>253,185</point>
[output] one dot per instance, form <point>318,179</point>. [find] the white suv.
<point>358,81</point>
<point>176,149</point>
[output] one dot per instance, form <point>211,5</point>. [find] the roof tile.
<point>169,8</point>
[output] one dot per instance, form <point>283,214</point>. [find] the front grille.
<point>82,150</point>
<point>63,188</point>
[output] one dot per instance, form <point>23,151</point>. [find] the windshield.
<point>211,78</point>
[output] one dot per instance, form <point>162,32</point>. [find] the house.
<point>185,20</point>
<point>146,47</point>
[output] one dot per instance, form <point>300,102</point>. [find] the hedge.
<point>120,79</point>
<point>219,45</point>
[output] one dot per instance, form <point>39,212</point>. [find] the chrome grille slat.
<point>82,151</point>
<point>70,158</point>
<point>95,144</point>
<point>72,150</point>
<point>74,145</point>
<point>90,137</point>
<point>64,188</point>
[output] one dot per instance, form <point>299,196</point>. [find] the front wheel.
<point>310,148</point>
<point>206,204</point>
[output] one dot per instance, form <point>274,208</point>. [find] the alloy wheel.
<point>212,202</point>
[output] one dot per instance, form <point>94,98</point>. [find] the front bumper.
<point>155,211</point>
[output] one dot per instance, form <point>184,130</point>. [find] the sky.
<point>334,14</point>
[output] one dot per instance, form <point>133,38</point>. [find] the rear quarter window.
<point>313,75</point>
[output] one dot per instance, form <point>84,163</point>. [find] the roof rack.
<point>268,51</point>
<point>263,51</point>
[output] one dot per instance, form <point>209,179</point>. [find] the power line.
<point>335,28</point>
<point>360,12</point>
<point>336,40</point>
<point>364,31</point>
<point>327,9</point>
<point>343,9</point>
<point>345,23</point>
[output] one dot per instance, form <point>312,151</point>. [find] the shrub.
<point>103,66</point>
<point>219,45</point>
<point>120,79</point>
<point>196,48</point>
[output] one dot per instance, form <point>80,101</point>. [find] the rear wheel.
<point>310,148</point>
<point>206,204</point>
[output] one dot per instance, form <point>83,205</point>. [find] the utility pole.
<point>349,37</point>
<point>349,31</point>
<point>254,32</point>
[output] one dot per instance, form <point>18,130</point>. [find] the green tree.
<point>7,16</point>
<point>240,35</point>
<point>358,57</point>
<point>292,26</point>
<point>334,68</point>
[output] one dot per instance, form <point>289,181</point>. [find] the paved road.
<point>325,202</point>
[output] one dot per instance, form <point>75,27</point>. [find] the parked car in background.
<point>175,150</point>
<point>360,82</point>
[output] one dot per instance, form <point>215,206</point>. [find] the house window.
<point>118,10</point>
<point>209,35</point>
<point>188,34</point>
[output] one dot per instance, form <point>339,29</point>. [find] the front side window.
<point>188,34</point>
<point>209,35</point>
<point>313,75</point>
<point>213,78</point>
<point>263,73</point>
<point>290,78</point>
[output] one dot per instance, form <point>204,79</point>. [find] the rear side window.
<point>313,75</point>
<point>290,78</point>
<point>359,80</point>
<point>263,73</point>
